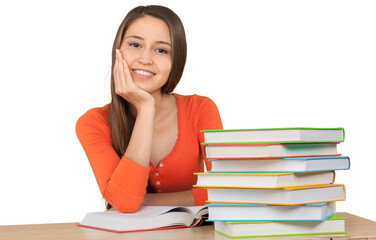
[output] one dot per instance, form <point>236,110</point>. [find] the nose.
<point>145,58</point>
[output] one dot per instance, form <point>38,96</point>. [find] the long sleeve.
<point>208,118</point>
<point>122,182</point>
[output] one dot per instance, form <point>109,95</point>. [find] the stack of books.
<point>274,182</point>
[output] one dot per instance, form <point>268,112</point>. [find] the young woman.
<point>145,145</point>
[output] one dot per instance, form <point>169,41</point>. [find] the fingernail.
<point>117,52</point>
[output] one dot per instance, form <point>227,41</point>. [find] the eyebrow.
<point>138,37</point>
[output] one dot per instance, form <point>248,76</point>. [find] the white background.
<point>265,64</point>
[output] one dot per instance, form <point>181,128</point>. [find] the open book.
<point>146,218</point>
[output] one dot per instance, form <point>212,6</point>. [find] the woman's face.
<point>146,48</point>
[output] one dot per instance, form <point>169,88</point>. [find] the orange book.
<point>278,196</point>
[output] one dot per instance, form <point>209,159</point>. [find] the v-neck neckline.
<point>177,100</point>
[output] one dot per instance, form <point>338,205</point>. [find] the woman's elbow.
<point>131,208</point>
<point>124,204</point>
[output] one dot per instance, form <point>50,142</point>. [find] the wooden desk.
<point>358,228</point>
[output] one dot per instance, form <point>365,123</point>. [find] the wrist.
<point>146,107</point>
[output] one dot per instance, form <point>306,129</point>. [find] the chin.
<point>147,86</point>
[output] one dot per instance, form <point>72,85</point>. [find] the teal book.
<point>334,225</point>
<point>263,212</point>
<point>273,135</point>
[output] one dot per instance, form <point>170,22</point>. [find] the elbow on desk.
<point>127,208</point>
<point>123,202</point>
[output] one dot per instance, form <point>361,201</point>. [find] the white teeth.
<point>143,73</point>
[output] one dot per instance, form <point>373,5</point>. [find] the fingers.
<point>119,79</point>
<point>126,71</point>
<point>124,85</point>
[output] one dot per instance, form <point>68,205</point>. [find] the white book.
<point>146,218</point>
<point>279,196</point>
<point>303,164</point>
<point>263,180</point>
<point>236,229</point>
<point>260,212</point>
<point>274,135</point>
<point>230,151</point>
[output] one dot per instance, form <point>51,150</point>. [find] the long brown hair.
<point>121,120</point>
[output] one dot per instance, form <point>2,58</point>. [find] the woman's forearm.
<point>139,147</point>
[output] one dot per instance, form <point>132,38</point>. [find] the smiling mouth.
<point>143,73</point>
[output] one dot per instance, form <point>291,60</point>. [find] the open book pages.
<point>146,218</point>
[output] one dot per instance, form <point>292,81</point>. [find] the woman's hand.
<point>127,88</point>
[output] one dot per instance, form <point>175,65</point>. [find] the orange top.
<point>123,182</point>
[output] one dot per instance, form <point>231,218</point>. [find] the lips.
<point>143,73</point>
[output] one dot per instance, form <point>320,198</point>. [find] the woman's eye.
<point>135,45</point>
<point>160,50</point>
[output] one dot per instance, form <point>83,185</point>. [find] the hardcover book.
<point>334,225</point>
<point>263,180</point>
<point>261,212</point>
<point>281,135</point>
<point>278,196</point>
<point>299,164</point>
<point>270,150</point>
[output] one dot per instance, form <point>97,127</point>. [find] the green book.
<point>334,225</point>
<point>273,135</point>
